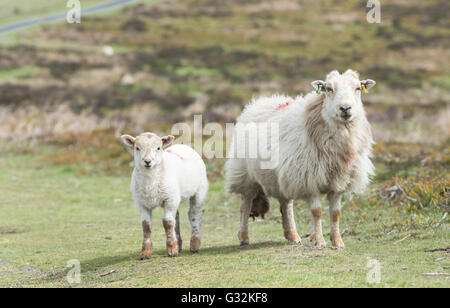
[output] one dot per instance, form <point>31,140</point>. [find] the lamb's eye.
<point>358,89</point>
<point>328,89</point>
<point>138,149</point>
<point>159,148</point>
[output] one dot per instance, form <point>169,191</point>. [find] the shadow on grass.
<point>215,250</point>
<point>105,261</point>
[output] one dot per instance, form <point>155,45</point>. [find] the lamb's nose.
<point>147,162</point>
<point>345,109</point>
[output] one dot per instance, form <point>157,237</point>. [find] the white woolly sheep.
<point>166,178</point>
<point>324,147</point>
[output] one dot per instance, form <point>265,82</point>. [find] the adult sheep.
<point>324,147</point>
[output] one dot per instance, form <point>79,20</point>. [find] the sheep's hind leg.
<point>195,219</point>
<point>178,232</point>
<point>335,211</point>
<point>246,207</point>
<point>147,245</point>
<point>169,222</point>
<point>289,227</point>
<point>316,211</point>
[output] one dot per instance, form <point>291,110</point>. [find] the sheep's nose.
<point>345,109</point>
<point>147,162</point>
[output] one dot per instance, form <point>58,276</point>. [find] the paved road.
<point>62,16</point>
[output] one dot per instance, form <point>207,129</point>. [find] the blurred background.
<point>67,91</point>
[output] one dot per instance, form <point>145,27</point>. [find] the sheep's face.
<point>342,102</point>
<point>148,149</point>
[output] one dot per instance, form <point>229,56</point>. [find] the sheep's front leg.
<point>335,212</point>
<point>316,211</point>
<point>287,213</point>
<point>169,223</point>
<point>147,245</point>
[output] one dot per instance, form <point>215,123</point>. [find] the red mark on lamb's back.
<point>283,105</point>
<point>171,152</point>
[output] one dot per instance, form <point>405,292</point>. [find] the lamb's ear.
<point>167,140</point>
<point>368,83</point>
<point>128,140</point>
<point>317,83</point>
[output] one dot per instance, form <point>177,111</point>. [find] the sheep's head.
<point>342,101</point>
<point>148,149</point>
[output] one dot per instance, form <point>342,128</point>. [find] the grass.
<point>54,212</point>
<point>17,73</point>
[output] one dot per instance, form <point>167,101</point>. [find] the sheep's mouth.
<point>346,117</point>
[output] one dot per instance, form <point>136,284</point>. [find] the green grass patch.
<point>51,213</point>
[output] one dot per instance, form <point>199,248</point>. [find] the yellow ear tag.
<point>364,89</point>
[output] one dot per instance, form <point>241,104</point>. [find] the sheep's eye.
<point>358,89</point>
<point>328,89</point>
<point>159,148</point>
<point>138,149</point>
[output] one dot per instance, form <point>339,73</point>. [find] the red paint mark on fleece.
<point>179,156</point>
<point>282,106</point>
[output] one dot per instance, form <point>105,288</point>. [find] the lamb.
<point>324,147</point>
<point>166,178</point>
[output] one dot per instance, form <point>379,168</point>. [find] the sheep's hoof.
<point>293,237</point>
<point>143,256</point>
<point>194,251</point>
<point>298,242</point>
<point>243,238</point>
<point>172,255</point>
<point>318,241</point>
<point>337,242</point>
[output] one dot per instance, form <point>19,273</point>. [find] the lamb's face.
<point>342,102</point>
<point>148,149</point>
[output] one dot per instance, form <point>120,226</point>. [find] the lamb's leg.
<point>335,211</point>
<point>178,232</point>
<point>147,245</point>
<point>316,211</point>
<point>169,222</point>
<point>289,227</point>
<point>195,218</point>
<point>246,207</point>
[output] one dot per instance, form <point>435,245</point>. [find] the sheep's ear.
<point>128,140</point>
<point>368,83</point>
<point>166,140</point>
<point>316,83</point>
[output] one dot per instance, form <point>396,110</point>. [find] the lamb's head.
<point>342,95</point>
<point>148,149</point>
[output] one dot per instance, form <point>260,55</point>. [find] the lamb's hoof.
<point>172,255</point>
<point>318,241</point>
<point>243,243</point>
<point>195,244</point>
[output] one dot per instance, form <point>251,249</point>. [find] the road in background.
<point>62,16</point>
